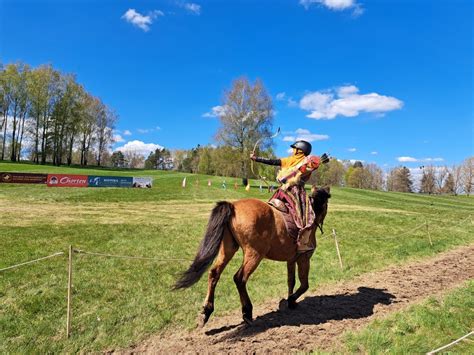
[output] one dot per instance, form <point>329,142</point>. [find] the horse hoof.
<point>292,304</point>
<point>248,320</point>
<point>202,320</point>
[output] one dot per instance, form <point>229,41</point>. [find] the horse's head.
<point>320,198</point>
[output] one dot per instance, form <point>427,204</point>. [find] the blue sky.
<point>386,81</point>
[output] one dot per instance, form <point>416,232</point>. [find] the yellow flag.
<point>247,188</point>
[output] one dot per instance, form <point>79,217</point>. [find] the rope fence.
<point>73,251</point>
<point>79,251</point>
<point>32,261</point>
<point>450,344</point>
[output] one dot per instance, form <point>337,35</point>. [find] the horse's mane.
<point>320,198</point>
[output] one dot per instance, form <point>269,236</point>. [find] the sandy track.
<point>322,316</point>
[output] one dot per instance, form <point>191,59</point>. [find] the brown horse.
<point>260,231</point>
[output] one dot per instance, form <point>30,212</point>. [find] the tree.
<point>105,124</point>
<point>448,187</point>
<point>245,118</point>
<point>428,185</point>
<point>440,176</point>
<point>332,173</point>
<point>399,180</point>
<point>118,159</point>
<point>468,175</point>
<point>205,165</point>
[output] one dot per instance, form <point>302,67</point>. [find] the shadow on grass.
<point>312,311</point>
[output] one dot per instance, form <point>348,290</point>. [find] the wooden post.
<point>69,294</point>
<point>428,231</point>
<point>337,247</point>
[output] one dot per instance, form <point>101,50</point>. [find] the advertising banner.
<point>144,182</point>
<point>66,180</point>
<point>23,178</point>
<point>110,181</point>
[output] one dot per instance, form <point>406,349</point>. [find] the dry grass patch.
<point>22,214</point>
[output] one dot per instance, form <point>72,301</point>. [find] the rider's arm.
<point>268,161</point>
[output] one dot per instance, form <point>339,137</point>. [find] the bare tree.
<point>428,180</point>
<point>246,117</point>
<point>399,179</point>
<point>456,171</point>
<point>440,176</point>
<point>468,175</point>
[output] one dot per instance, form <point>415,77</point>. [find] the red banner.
<point>66,180</point>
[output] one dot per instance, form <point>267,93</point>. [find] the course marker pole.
<point>337,247</point>
<point>69,294</point>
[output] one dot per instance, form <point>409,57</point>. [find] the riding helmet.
<point>303,145</point>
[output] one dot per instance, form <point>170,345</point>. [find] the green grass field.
<point>118,302</point>
<point>421,328</point>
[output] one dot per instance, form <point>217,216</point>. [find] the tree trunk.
<point>4,135</point>
<point>69,156</point>
<point>21,132</point>
<point>13,149</point>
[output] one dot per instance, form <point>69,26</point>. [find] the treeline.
<point>434,180</point>
<point>48,117</point>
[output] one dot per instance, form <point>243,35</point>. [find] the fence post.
<point>69,294</point>
<point>428,231</point>
<point>337,247</point>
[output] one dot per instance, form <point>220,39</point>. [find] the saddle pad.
<point>290,224</point>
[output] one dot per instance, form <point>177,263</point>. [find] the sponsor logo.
<point>22,178</point>
<point>60,180</point>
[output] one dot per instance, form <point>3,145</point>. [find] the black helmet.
<point>303,145</point>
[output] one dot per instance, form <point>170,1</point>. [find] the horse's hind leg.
<point>291,276</point>
<point>303,273</point>
<point>250,263</point>
<point>227,250</point>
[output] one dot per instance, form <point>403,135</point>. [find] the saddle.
<point>300,236</point>
<point>290,224</point>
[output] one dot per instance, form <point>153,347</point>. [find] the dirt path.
<point>322,316</point>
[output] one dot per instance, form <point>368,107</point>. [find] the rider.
<point>295,172</point>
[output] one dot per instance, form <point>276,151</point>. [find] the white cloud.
<point>374,153</point>
<point>346,101</point>
<point>216,111</point>
<point>352,149</point>
<point>193,8</point>
<point>118,138</point>
<point>281,96</point>
<point>336,5</point>
<point>127,133</point>
<point>139,20</point>
<point>139,147</point>
<point>417,160</point>
<point>148,130</point>
<point>306,135</point>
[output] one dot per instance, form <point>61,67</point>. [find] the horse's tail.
<point>220,216</point>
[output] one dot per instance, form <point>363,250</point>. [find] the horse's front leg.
<point>291,265</point>
<point>303,274</point>
<point>226,252</point>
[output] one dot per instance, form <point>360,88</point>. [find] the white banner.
<point>144,182</point>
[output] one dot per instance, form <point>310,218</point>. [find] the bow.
<point>263,178</point>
